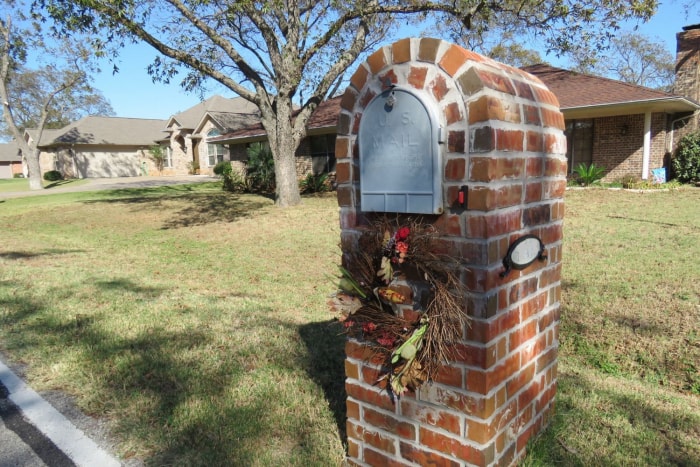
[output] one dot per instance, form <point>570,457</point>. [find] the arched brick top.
<point>486,108</point>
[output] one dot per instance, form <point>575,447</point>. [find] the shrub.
<point>320,183</point>
<point>685,166</point>
<point>260,171</point>
<point>587,175</point>
<point>18,175</point>
<point>158,155</point>
<point>628,181</point>
<point>193,167</point>
<point>53,176</point>
<point>222,167</point>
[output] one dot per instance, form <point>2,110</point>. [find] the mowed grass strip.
<point>196,322</point>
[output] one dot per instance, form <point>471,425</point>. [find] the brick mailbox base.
<point>504,176</point>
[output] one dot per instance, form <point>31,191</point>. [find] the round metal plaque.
<point>523,252</point>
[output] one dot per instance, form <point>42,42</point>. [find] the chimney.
<point>687,83</point>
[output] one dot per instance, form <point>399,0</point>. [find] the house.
<point>99,147</point>
<point>187,130</point>
<point>10,160</point>
<point>119,147</point>
<point>315,154</point>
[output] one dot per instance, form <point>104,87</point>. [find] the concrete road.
<point>116,183</point>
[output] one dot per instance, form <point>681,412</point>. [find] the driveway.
<point>116,183</point>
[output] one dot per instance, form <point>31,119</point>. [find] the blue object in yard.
<point>659,175</point>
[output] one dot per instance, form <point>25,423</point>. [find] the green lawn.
<point>22,184</point>
<point>195,321</point>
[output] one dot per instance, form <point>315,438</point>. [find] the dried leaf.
<point>345,304</point>
<point>390,295</point>
<point>385,271</point>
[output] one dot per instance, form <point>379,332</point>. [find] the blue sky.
<point>132,93</point>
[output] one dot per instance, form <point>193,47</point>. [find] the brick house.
<point>187,130</point>
<point>316,153</point>
<point>10,160</point>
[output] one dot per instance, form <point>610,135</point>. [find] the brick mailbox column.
<point>503,170</point>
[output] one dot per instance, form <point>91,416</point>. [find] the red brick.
<point>374,397</point>
<point>391,424</point>
<point>449,225</point>
<point>532,115</point>
<point>536,215</point>
<point>546,359</point>
<point>354,430</point>
<point>496,81</point>
<point>488,198</point>
<point>439,87</point>
<point>535,142</point>
<point>353,448</point>
<point>455,141</point>
<point>522,335</point>
<point>367,98</point>
<point>553,119</point>
<point>373,457</point>
<point>555,167</point>
<point>455,447</point>
<point>342,172</point>
<point>420,456</point>
<point>342,147</point>
<point>371,375</point>
<point>554,189</point>
<point>352,409</point>
<point>520,380</point>
<point>431,415</point>
<point>534,167</point>
<point>416,77</point>
<point>388,79</point>
<point>455,169</point>
<point>509,140</point>
<point>483,382</point>
<point>523,89</point>
<point>358,351</point>
<point>545,96</point>
<point>476,406</point>
<point>452,113</point>
<point>533,192</point>
<point>494,224</point>
<point>449,376</point>
<point>352,370</point>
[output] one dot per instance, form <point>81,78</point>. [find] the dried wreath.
<point>397,267</point>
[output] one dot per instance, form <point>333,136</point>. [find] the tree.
<point>27,90</point>
<point>632,58</point>
<point>271,52</point>
<point>36,97</point>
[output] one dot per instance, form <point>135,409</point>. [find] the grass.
<point>195,321</point>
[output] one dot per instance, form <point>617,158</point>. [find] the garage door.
<point>5,170</point>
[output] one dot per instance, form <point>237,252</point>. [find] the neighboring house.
<point>624,128</point>
<point>95,147</point>
<point>206,120</point>
<point>316,153</point>
<point>10,160</point>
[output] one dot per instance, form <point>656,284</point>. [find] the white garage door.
<point>5,170</point>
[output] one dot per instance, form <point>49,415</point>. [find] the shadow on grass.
<point>15,255</point>
<point>325,342</point>
<point>198,208</point>
<point>182,391</point>
<point>598,420</point>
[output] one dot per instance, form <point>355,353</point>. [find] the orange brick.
<point>455,447</point>
<point>452,113</point>
<point>439,87</point>
<point>377,61</point>
<point>455,169</point>
<point>509,140</point>
<point>359,78</point>
<point>374,397</point>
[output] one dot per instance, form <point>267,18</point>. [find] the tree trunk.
<point>283,144</point>
<point>32,158</point>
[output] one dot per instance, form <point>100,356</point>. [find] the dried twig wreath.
<point>396,267</point>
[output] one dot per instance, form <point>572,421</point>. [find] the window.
<point>579,142</point>
<point>322,153</point>
<point>168,162</point>
<point>215,152</point>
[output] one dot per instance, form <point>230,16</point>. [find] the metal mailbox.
<point>400,161</point>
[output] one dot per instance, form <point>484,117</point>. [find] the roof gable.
<point>9,152</point>
<point>191,117</point>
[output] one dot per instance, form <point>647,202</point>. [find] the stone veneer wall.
<point>504,141</point>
